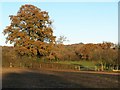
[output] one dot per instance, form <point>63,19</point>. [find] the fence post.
<point>75,67</point>
<point>95,68</point>
<point>79,68</point>
<point>40,65</point>
<point>10,64</point>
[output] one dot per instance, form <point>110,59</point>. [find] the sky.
<point>86,22</point>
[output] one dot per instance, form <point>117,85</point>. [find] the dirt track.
<point>30,78</point>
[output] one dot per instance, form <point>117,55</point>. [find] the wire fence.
<point>51,66</point>
<point>54,66</point>
<point>41,65</point>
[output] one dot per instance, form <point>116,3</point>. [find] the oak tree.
<point>31,31</point>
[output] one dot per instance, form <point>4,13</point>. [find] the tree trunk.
<point>117,67</point>
<point>102,66</point>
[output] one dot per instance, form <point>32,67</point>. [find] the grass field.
<point>84,63</point>
<point>40,78</point>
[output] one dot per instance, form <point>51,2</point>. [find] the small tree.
<point>61,39</point>
<point>30,31</point>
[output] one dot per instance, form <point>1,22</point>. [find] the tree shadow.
<point>36,80</point>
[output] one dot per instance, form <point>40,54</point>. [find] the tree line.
<point>105,54</point>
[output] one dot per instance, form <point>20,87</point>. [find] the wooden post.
<point>95,68</point>
<point>10,64</point>
<point>40,65</point>
<point>117,67</point>
<point>102,67</point>
<point>75,67</point>
<point>79,68</point>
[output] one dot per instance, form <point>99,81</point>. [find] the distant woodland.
<point>104,53</point>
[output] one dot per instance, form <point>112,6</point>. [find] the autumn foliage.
<point>30,31</point>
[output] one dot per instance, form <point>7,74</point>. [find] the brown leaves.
<point>29,30</point>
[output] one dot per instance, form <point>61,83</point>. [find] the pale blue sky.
<point>88,22</point>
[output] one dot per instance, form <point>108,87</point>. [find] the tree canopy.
<point>31,31</point>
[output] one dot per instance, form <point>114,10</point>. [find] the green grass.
<point>83,63</point>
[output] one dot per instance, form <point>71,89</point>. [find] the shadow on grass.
<point>36,80</point>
